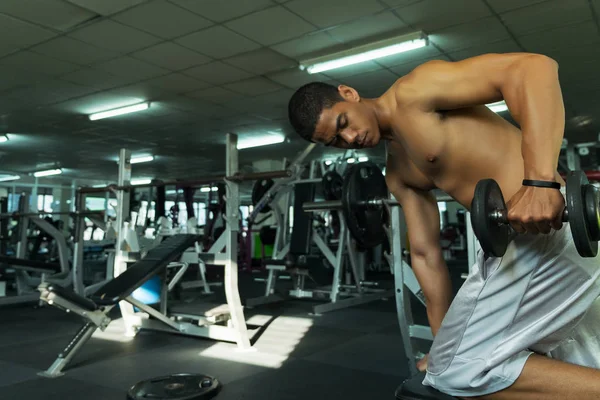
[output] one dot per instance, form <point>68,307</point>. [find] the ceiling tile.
<point>308,46</point>
<point>399,3</point>
<point>504,46</point>
<point>75,51</point>
<point>501,6</point>
<point>581,34</point>
<point>294,78</point>
<point>261,61</point>
<point>29,61</point>
<point>431,15</point>
<point>97,78</point>
<point>409,56</point>
<point>470,34</point>
<point>288,26</point>
<point>406,68</point>
<point>217,95</point>
<point>218,42</point>
<point>13,77</point>
<point>351,70</point>
<point>217,73</point>
<point>332,12</point>
<point>162,19</point>
<point>55,14</point>
<point>141,90</point>
<point>253,87</point>
<point>368,27</point>
<point>219,11</point>
<point>106,7</point>
<point>546,15</point>
<point>171,56</point>
<point>51,92</point>
<point>111,35</point>
<point>131,67</point>
<point>178,83</point>
<point>15,34</point>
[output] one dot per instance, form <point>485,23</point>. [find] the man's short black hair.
<point>306,106</point>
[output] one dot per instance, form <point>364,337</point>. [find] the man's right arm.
<point>423,223</point>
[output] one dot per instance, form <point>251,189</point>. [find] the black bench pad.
<point>137,274</point>
<point>413,389</point>
<point>73,297</point>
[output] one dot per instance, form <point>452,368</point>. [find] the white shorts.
<point>540,297</point>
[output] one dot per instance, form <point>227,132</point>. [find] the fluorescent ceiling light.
<point>351,160</point>
<point>260,140</point>
<point>141,159</point>
<point>3,139</point>
<point>48,172</point>
<point>6,178</point>
<point>371,51</point>
<point>207,189</point>
<point>99,185</point>
<point>119,111</point>
<point>141,181</point>
<point>171,192</point>
<point>498,106</point>
<point>328,162</point>
<point>363,159</point>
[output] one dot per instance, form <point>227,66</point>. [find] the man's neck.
<point>382,112</point>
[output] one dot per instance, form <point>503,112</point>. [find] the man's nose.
<point>350,136</point>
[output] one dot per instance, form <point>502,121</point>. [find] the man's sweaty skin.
<point>441,135</point>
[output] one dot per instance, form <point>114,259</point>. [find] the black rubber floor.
<point>348,354</point>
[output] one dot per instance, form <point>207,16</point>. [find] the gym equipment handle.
<point>500,217</point>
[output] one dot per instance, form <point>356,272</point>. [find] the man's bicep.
<point>422,219</point>
<point>475,81</point>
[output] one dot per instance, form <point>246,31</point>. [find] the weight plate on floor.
<point>364,182</point>
<point>259,189</point>
<point>492,236</point>
<point>176,387</point>
<point>577,184</point>
<point>332,184</point>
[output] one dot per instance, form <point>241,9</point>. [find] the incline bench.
<point>413,389</point>
<point>95,310</point>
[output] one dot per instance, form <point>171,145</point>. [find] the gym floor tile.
<point>59,389</point>
<point>375,352</point>
<point>185,358</point>
<point>353,319</point>
<point>11,374</point>
<point>300,379</point>
<point>41,354</point>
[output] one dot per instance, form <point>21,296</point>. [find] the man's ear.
<point>348,93</point>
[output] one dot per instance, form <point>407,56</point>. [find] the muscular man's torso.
<point>458,148</point>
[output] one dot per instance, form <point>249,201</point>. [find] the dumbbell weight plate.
<point>493,236</point>
<point>592,206</point>
<point>577,185</point>
<point>362,182</point>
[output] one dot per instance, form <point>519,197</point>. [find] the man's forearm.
<point>533,95</point>
<point>434,278</point>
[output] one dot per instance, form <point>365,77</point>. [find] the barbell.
<point>364,196</point>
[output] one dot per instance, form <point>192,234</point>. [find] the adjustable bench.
<point>95,310</point>
<point>413,389</point>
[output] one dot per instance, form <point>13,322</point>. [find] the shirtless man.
<point>522,326</point>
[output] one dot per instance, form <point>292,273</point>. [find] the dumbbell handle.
<point>500,217</point>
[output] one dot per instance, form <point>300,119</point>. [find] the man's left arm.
<point>530,86</point>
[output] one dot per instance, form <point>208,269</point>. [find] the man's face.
<point>347,125</point>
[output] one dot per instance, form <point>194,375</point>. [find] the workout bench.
<point>95,310</point>
<point>413,389</point>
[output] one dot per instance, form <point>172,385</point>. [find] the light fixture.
<point>260,140</point>
<point>371,51</point>
<point>498,106</point>
<point>328,162</point>
<point>207,189</point>
<point>351,160</point>
<point>48,172</point>
<point>141,181</point>
<point>172,191</point>
<point>141,159</point>
<point>363,159</point>
<point>119,111</point>
<point>6,178</point>
<point>3,139</point>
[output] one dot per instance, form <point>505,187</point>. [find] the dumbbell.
<point>489,215</point>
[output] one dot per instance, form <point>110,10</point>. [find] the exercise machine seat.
<point>413,389</point>
<point>73,297</point>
